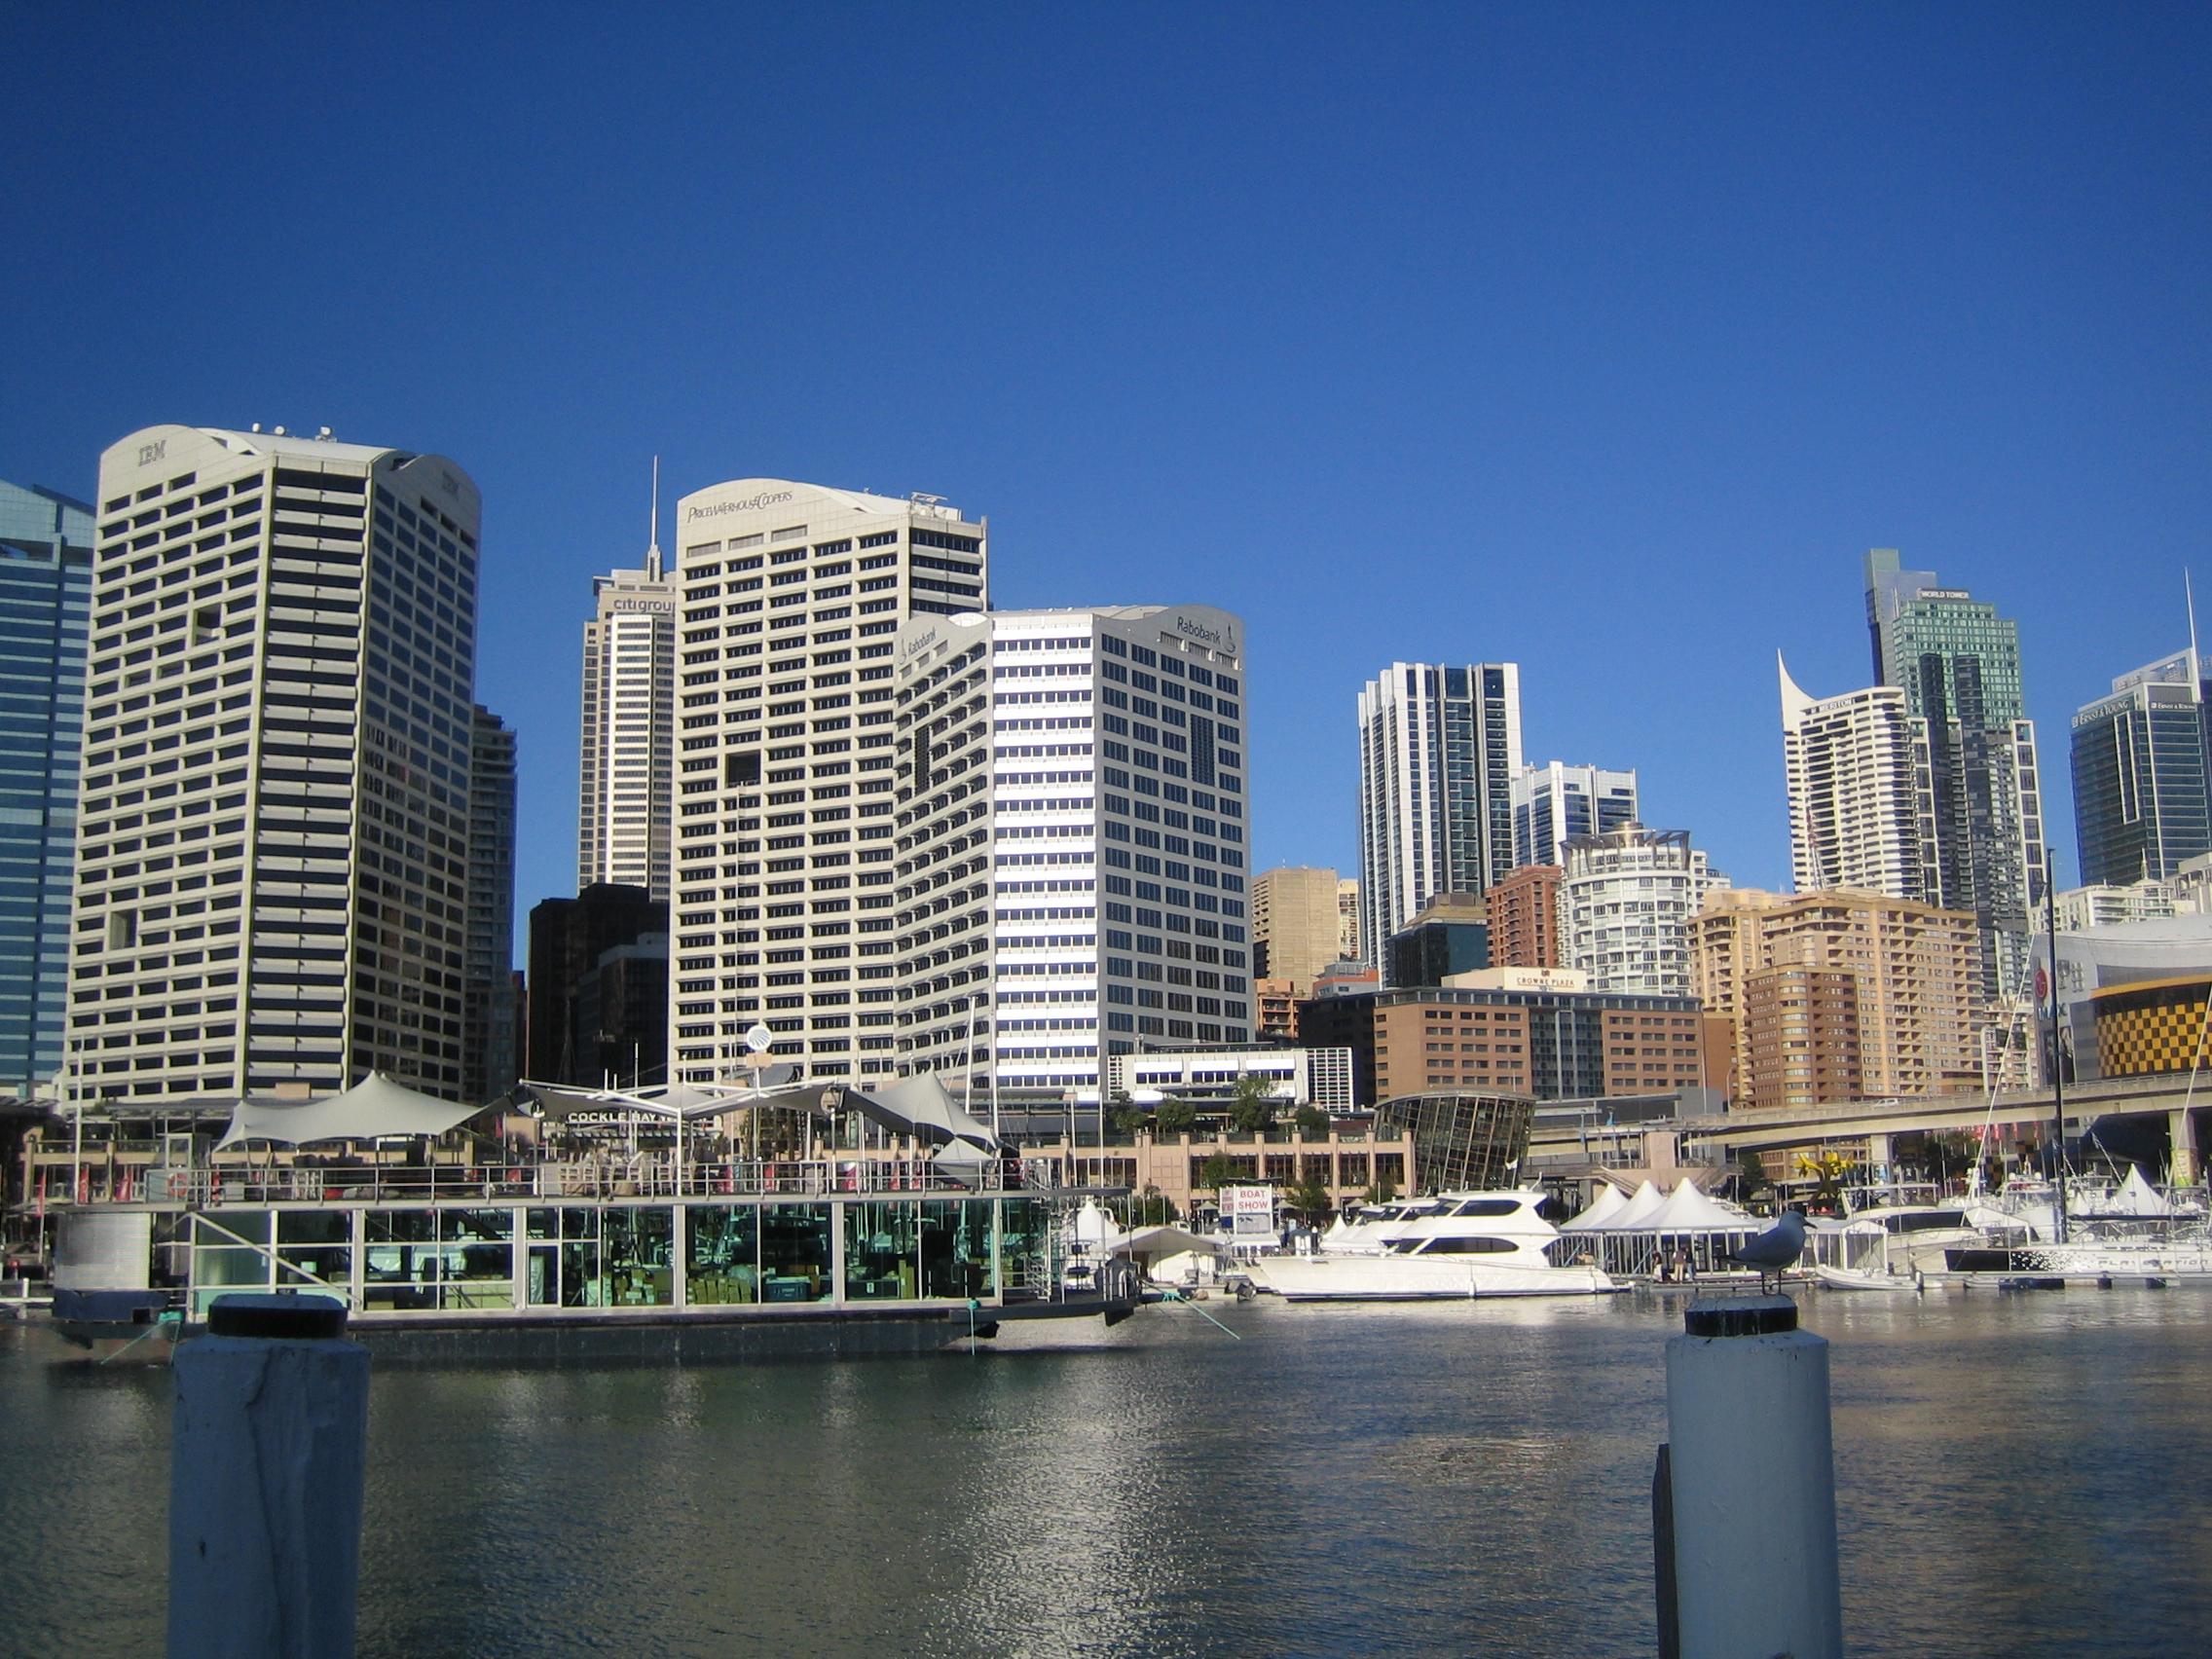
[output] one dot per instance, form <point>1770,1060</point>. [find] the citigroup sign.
<point>766,499</point>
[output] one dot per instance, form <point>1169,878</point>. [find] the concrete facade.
<point>1297,927</point>
<point>1545,1044</point>
<point>784,908</point>
<point>1524,918</point>
<point>1801,1036</point>
<point>492,1056</point>
<point>626,773</point>
<point>1624,904</point>
<point>272,859</point>
<point>1861,805</point>
<point>1071,826</point>
<point>1916,967</point>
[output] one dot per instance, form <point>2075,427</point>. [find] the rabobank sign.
<point>1222,640</point>
<point>751,503</point>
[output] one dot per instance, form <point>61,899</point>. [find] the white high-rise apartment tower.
<point>1625,904</point>
<point>625,810</point>
<point>1071,841</point>
<point>1439,748</point>
<point>272,851</point>
<point>784,909</point>
<point>1861,811</point>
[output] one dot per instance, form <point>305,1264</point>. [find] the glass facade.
<point>1958,663</point>
<point>450,1258</point>
<point>46,584</point>
<point>2141,793</point>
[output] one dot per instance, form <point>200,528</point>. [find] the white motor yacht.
<point>1452,1247</point>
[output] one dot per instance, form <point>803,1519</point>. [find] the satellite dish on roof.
<point>759,1039</point>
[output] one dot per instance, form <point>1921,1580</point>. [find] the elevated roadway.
<point>2173,1096</point>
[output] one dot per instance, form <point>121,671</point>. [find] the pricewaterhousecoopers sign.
<point>766,499</point>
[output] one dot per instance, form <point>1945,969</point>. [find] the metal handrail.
<point>646,1176</point>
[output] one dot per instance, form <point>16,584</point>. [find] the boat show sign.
<point>1250,1211</point>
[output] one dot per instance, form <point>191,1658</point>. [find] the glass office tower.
<point>2142,780</point>
<point>46,589</point>
<point>1958,663</point>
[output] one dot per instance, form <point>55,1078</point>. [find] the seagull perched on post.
<point>1777,1249</point>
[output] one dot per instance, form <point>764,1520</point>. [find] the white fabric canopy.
<point>1635,1216</point>
<point>679,1099</point>
<point>1157,1243</point>
<point>1688,1210</point>
<point>2135,1197</point>
<point>374,1109</point>
<point>1603,1209</point>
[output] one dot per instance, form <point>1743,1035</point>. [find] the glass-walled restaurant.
<point>478,1258</point>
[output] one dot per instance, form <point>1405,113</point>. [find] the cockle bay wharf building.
<point>606,1224</point>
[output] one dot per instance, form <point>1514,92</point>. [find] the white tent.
<point>1603,1209</point>
<point>680,1099</point>
<point>1635,1216</point>
<point>374,1109</point>
<point>2136,1198</point>
<point>1688,1210</point>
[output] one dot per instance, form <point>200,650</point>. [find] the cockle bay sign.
<point>766,499</point>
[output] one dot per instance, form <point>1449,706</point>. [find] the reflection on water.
<point>2010,1474</point>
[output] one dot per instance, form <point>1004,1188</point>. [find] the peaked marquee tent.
<point>376,1108</point>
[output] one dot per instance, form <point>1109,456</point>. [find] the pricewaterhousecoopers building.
<point>785,903</point>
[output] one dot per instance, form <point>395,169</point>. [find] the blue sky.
<point>1599,338</point>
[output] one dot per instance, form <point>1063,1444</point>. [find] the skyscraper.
<point>626,778</point>
<point>1859,803</point>
<point>571,941</point>
<point>272,853</point>
<point>1071,841</point>
<point>46,587</point>
<point>1297,929</point>
<point>1439,748</point>
<point>1554,801</point>
<point>1625,904</point>
<point>1958,663</point>
<point>2142,793</point>
<point>489,1059</point>
<point>785,908</point>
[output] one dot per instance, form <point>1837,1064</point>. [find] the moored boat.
<point>1453,1246</point>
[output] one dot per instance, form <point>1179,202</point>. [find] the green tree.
<point>1312,1122</point>
<point>1381,1192</point>
<point>1250,1111</point>
<point>1151,1208</point>
<point>1176,1117</point>
<point>1216,1172</point>
<point>1130,1118</point>
<point>1309,1196</point>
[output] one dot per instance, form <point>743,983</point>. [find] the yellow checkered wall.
<point>2144,1030</point>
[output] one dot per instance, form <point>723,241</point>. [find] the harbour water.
<point>2016,1474</point>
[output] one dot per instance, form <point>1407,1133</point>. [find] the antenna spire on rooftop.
<point>653,529</point>
<point>2188,597</point>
